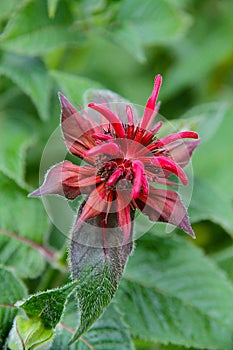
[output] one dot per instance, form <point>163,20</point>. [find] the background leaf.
<point>31,76</point>
<point>109,332</point>
<point>29,34</point>
<point>164,290</point>
<point>11,290</point>
<point>23,224</point>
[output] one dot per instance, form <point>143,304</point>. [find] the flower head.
<point>127,166</point>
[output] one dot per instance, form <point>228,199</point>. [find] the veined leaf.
<point>109,332</point>
<point>23,224</point>
<point>173,289</point>
<point>11,290</point>
<point>31,76</point>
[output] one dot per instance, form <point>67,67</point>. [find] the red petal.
<point>110,148</point>
<point>138,170</point>
<point>95,204</point>
<point>165,206</point>
<point>181,151</point>
<point>111,117</point>
<point>114,177</point>
<point>173,137</point>
<point>129,112</point>
<point>151,103</point>
<point>124,217</point>
<point>76,129</point>
<point>170,165</point>
<point>63,179</point>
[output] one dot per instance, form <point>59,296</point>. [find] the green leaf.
<point>29,334</point>
<point>29,34</point>
<point>109,332</point>
<point>15,137</point>
<point>157,317</point>
<point>148,23</point>
<point>11,290</point>
<point>218,152</point>
<point>73,86</point>
<point>205,119</point>
<point>98,269</point>
<point>48,306</point>
<point>201,50</point>
<point>7,7</point>
<point>208,203</point>
<point>23,224</point>
<point>31,76</point>
<point>52,7</point>
<point>224,259</point>
<point>173,293</point>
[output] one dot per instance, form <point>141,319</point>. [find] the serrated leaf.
<point>29,34</point>
<point>48,306</point>
<point>29,334</point>
<point>159,317</point>
<point>209,204</point>
<point>98,269</point>
<point>31,76</point>
<point>176,290</point>
<point>11,290</point>
<point>109,332</point>
<point>15,137</point>
<point>23,224</point>
<point>73,86</point>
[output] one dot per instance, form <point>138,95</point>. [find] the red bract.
<point>127,165</point>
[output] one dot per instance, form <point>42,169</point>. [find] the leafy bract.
<point>98,269</point>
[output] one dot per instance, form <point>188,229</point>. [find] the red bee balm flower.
<point>127,167</point>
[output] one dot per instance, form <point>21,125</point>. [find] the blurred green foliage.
<point>183,298</point>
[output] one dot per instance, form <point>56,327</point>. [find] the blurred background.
<point>73,45</point>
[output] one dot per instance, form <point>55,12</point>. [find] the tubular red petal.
<point>114,177</point>
<point>129,112</point>
<point>138,170</point>
<point>150,106</point>
<point>145,185</point>
<point>102,137</point>
<point>124,217</point>
<point>111,117</point>
<point>174,137</point>
<point>170,165</point>
<point>110,148</point>
<point>156,127</point>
